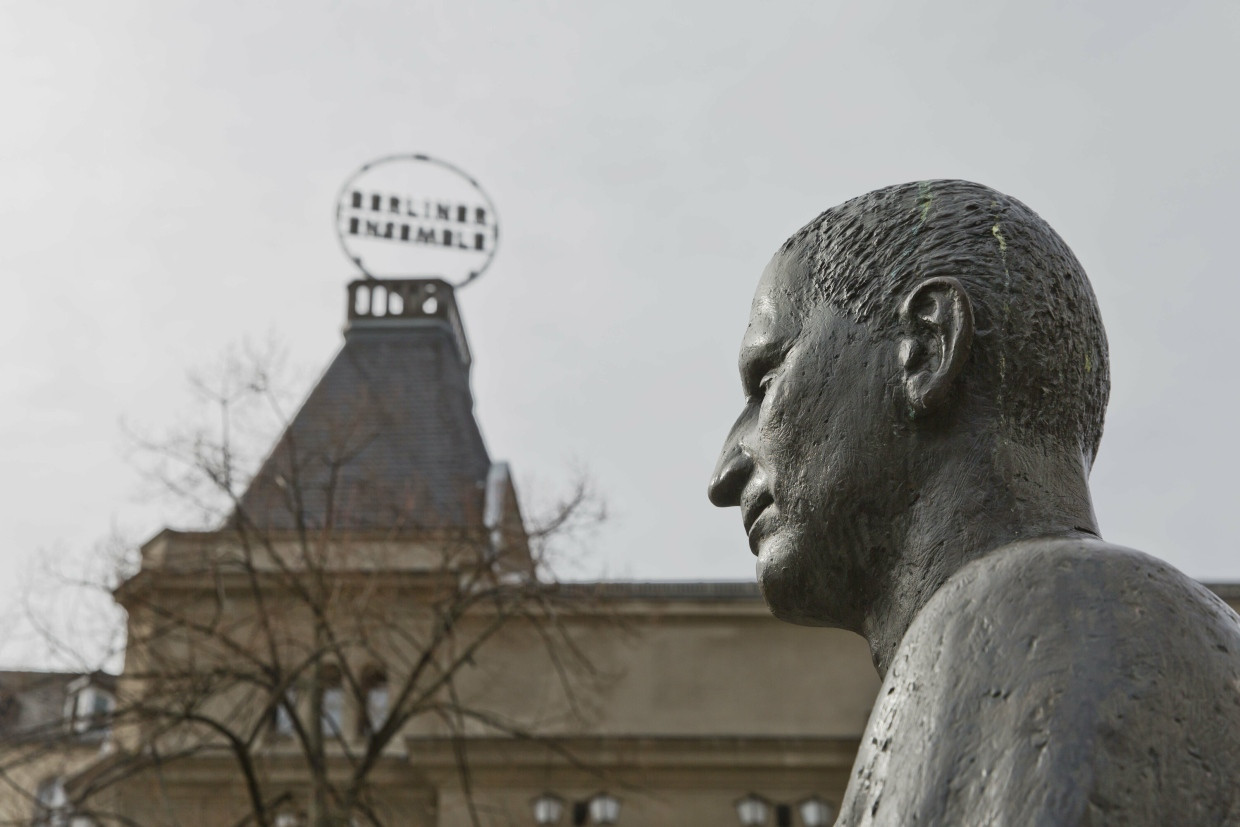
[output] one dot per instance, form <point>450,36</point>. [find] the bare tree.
<point>318,615</point>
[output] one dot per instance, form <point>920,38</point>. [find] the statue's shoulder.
<point>1058,682</point>
<point>1083,593</point>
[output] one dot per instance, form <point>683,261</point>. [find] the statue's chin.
<point>793,591</point>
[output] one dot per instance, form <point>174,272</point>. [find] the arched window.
<point>289,818</point>
<point>375,687</point>
<point>333,703</point>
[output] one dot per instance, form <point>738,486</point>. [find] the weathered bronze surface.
<point>925,372</point>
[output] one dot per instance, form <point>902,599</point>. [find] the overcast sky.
<point>169,172</point>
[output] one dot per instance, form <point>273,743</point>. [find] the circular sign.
<point>415,216</point>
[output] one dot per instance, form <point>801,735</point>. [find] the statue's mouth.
<point>751,512</point>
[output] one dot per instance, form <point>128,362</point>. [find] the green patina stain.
<point>999,235</point>
<point>924,199</point>
<point>1088,365</point>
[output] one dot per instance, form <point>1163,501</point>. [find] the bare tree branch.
<point>257,642</point>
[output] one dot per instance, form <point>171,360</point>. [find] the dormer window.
<point>88,708</point>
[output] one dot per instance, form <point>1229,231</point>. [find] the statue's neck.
<point>986,495</point>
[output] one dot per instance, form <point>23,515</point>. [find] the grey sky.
<point>170,169</point>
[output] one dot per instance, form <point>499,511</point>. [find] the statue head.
<point>894,340</point>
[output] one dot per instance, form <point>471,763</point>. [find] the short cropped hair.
<point>1040,353</point>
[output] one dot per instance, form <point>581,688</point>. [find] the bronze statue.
<point>925,373</point>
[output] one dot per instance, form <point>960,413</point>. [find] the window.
<point>10,711</point>
<point>377,705</point>
<point>284,713</point>
<point>375,692</point>
<point>51,804</point>
<point>333,709</point>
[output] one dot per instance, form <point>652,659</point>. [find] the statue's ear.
<point>937,322</point>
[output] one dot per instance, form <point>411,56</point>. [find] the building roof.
<point>387,439</point>
<point>32,704</point>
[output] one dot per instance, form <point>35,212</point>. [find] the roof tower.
<point>387,440</point>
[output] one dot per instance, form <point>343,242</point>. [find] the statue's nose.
<point>731,473</point>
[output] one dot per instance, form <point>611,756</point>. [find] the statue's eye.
<point>757,374</point>
<point>764,385</point>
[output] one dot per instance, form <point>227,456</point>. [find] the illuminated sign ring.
<point>411,215</point>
